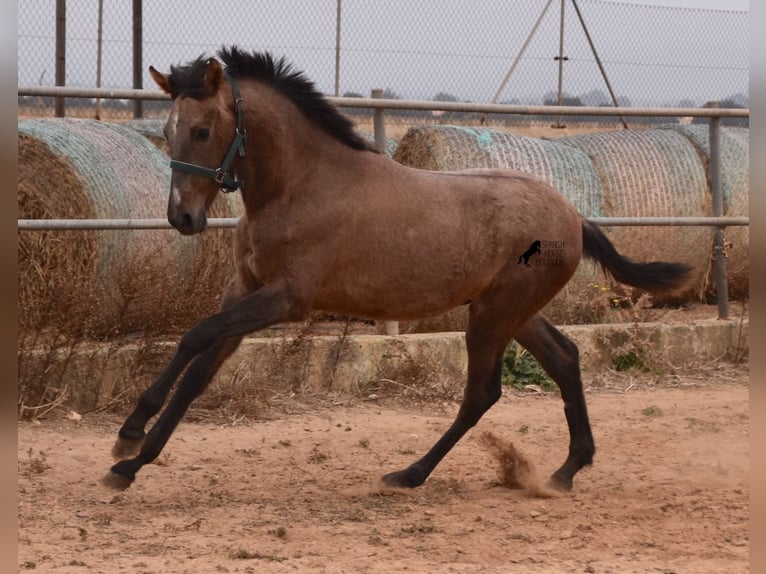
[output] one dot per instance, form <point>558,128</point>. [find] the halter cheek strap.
<point>221,175</point>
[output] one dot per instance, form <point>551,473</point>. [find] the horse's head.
<point>199,131</point>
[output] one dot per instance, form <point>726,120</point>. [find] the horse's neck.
<point>283,147</point>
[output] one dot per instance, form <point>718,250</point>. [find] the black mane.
<point>279,74</point>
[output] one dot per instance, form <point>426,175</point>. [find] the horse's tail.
<point>655,277</point>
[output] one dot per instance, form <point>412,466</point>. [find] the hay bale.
<point>151,129</point>
<point>653,173</point>
<point>735,187</point>
<point>103,283</point>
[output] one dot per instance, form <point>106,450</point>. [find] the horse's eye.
<point>201,134</point>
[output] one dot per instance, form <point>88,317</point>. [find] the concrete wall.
<point>364,364</point>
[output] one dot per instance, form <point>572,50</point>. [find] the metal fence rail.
<point>230,222</point>
<point>418,105</point>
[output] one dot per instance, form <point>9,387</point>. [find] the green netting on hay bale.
<point>97,283</point>
<point>734,150</point>
<point>654,173</point>
<point>391,143</point>
<point>152,129</point>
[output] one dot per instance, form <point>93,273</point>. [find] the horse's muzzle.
<point>187,224</point>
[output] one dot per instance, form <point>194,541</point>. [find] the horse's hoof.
<point>559,483</point>
<point>125,448</point>
<point>116,481</point>
<point>407,478</point>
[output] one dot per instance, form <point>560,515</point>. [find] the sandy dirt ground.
<point>298,491</point>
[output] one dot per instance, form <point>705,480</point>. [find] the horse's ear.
<point>161,79</point>
<point>213,76</point>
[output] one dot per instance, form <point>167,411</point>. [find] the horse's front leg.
<point>131,435</point>
<point>208,343</point>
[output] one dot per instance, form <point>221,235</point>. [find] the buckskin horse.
<point>330,224</point>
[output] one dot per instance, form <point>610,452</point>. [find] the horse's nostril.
<point>183,222</point>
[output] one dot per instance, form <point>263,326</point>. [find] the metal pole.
<point>598,60</point>
<point>337,49</point>
<point>98,54</point>
<point>60,53</point>
<point>227,222</point>
<point>401,104</point>
<point>138,65</point>
<point>561,59</point>
<point>518,58</point>
<point>719,249</point>
<point>379,129</point>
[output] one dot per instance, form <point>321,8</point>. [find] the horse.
<point>330,224</point>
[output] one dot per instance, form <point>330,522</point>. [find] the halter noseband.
<point>221,174</point>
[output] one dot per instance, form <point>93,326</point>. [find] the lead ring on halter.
<point>221,175</point>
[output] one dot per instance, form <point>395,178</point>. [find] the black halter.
<point>221,174</point>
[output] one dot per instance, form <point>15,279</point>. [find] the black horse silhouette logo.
<point>534,248</point>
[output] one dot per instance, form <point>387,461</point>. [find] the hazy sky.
<point>739,5</point>
<point>414,48</point>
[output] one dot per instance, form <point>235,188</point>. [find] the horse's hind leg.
<point>487,336</point>
<point>559,356</point>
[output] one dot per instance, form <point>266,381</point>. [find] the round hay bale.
<point>103,283</point>
<point>653,173</point>
<point>152,129</point>
<point>50,263</point>
<point>735,186</point>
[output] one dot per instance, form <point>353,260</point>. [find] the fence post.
<point>719,249</point>
<point>138,61</point>
<point>337,46</point>
<point>561,58</point>
<point>379,129</point>
<point>60,54</point>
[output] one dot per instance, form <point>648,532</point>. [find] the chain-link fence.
<point>430,49</point>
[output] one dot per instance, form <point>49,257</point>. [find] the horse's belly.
<point>414,292</point>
